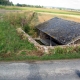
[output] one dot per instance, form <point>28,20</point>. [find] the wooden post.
<point>39,34</point>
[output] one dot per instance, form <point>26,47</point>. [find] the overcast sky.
<point>55,3</point>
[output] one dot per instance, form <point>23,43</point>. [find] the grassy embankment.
<point>11,43</point>
<point>14,47</point>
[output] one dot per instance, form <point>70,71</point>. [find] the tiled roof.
<point>62,30</point>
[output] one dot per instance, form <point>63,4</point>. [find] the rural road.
<point>46,70</point>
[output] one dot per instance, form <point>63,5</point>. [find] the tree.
<point>5,2</point>
<point>19,4</point>
<point>26,5</point>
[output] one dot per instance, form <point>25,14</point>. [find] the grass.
<point>26,20</point>
<point>45,57</point>
<point>10,42</point>
<point>56,11</point>
<point>14,47</point>
<point>56,54</point>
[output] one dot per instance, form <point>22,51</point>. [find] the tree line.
<point>26,5</point>
<point>5,2</point>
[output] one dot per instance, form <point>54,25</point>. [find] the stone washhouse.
<point>57,31</point>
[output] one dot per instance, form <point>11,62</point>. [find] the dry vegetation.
<point>44,17</point>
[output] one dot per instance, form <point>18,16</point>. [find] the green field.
<point>57,11</point>
<point>12,44</point>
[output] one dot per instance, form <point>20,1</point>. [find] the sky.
<point>75,4</point>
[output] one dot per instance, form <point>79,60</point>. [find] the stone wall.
<point>42,48</point>
<point>31,40</point>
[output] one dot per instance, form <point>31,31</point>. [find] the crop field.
<point>41,10</point>
<point>12,44</point>
<point>46,13</point>
<point>45,16</point>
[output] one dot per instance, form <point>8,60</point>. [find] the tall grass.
<point>27,20</point>
<point>10,42</point>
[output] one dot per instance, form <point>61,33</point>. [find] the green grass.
<point>56,54</point>
<point>56,11</point>
<point>10,42</point>
<point>45,57</point>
